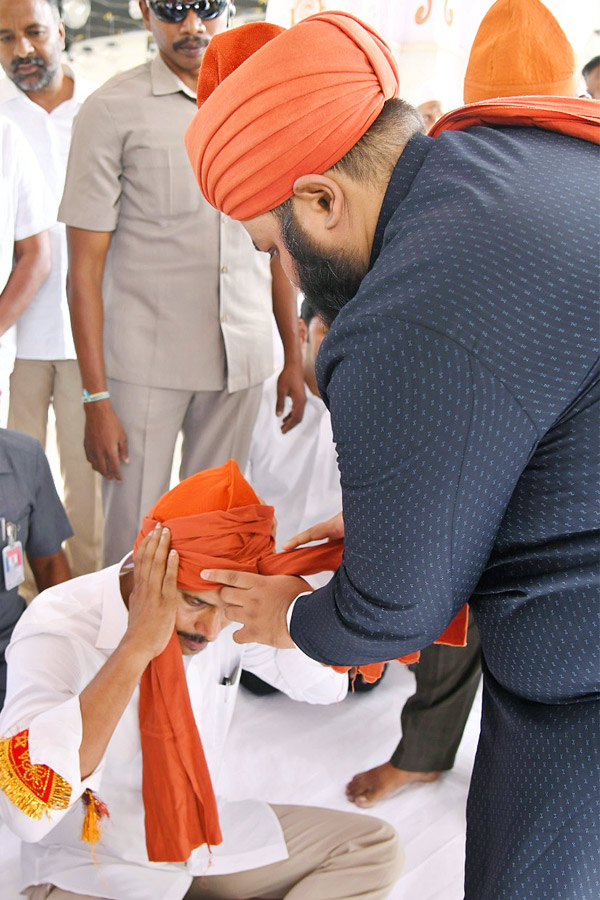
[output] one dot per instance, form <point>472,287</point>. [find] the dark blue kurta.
<point>463,382</point>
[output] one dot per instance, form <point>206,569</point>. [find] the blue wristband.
<point>93,398</point>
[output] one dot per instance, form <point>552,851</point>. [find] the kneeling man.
<point>121,687</point>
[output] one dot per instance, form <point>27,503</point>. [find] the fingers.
<point>242,580</point>
<point>281,395</point>
<point>158,563</point>
<point>169,585</point>
<point>303,538</point>
<point>123,449</point>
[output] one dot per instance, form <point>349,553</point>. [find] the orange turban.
<point>520,49</point>
<point>295,106</point>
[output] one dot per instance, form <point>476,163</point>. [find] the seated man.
<point>32,522</point>
<point>123,683</point>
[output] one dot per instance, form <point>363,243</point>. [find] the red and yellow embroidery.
<point>35,790</point>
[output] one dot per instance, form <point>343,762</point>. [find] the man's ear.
<point>322,196</point>
<point>302,331</point>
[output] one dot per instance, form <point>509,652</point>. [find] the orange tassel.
<point>95,810</point>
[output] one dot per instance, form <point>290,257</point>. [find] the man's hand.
<point>332,529</point>
<point>291,384</point>
<point>260,603</point>
<point>105,441</point>
<point>153,600</point>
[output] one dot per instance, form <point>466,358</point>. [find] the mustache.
<point>192,637</point>
<point>189,43</point>
<point>30,61</point>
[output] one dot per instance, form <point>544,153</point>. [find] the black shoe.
<point>256,685</point>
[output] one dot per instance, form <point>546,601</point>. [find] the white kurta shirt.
<point>296,472</point>
<point>24,211</point>
<point>60,643</point>
<point>44,329</point>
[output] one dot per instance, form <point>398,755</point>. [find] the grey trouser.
<point>216,426</point>
<point>434,718</point>
<point>332,856</point>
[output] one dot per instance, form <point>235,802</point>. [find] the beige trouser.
<point>216,426</point>
<point>332,856</point>
<point>34,384</point>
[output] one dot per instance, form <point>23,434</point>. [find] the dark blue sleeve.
<point>48,523</point>
<point>431,446</point>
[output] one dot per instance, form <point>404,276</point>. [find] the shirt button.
<point>224,270</point>
<point>223,318</point>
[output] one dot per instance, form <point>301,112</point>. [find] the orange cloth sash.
<point>575,116</point>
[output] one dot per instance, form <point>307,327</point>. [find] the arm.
<point>105,440</point>
<point>291,379</point>
<point>49,570</point>
<point>69,727</point>
<point>294,673</point>
<point>32,267</point>
<point>427,473</point>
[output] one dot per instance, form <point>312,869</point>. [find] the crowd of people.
<point>429,441</point>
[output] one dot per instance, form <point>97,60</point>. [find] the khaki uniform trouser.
<point>216,426</point>
<point>332,856</point>
<point>34,385</point>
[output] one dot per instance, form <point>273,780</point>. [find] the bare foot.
<point>371,787</point>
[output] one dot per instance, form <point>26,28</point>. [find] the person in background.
<point>170,306</point>
<point>25,216</point>
<point>41,95</point>
<point>460,272</point>
<point>129,705</point>
<point>33,523</point>
<point>429,103</point>
<point>591,76</point>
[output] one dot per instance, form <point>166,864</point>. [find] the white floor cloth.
<point>287,752</point>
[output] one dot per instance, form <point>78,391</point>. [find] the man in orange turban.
<point>459,273</point>
<point>121,690</point>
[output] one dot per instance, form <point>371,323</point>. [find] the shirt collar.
<point>115,617</point>
<point>410,161</point>
<point>165,81</point>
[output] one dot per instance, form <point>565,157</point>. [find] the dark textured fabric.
<point>463,386</point>
<point>433,719</point>
<point>29,500</point>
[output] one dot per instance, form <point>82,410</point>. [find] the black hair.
<point>307,313</point>
<point>590,66</point>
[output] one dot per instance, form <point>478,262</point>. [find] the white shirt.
<point>24,211</point>
<point>296,472</point>
<point>44,329</point>
<point>58,646</point>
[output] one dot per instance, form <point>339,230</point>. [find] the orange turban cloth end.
<point>276,104</point>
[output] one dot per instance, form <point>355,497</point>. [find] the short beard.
<point>25,82</point>
<point>327,280</point>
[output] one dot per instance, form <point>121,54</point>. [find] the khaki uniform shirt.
<point>187,299</point>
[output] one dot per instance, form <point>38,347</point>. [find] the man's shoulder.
<point>72,609</point>
<point>21,449</point>
<point>129,85</point>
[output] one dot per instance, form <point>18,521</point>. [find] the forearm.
<point>105,699</point>
<point>87,255</point>
<point>285,303</point>
<point>49,570</point>
<point>32,267</point>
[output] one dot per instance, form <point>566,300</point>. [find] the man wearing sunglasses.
<point>171,311</point>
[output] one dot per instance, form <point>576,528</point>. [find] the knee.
<point>388,853</point>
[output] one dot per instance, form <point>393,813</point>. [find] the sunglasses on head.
<point>174,11</point>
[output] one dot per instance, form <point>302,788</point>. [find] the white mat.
<point>289,752</point>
